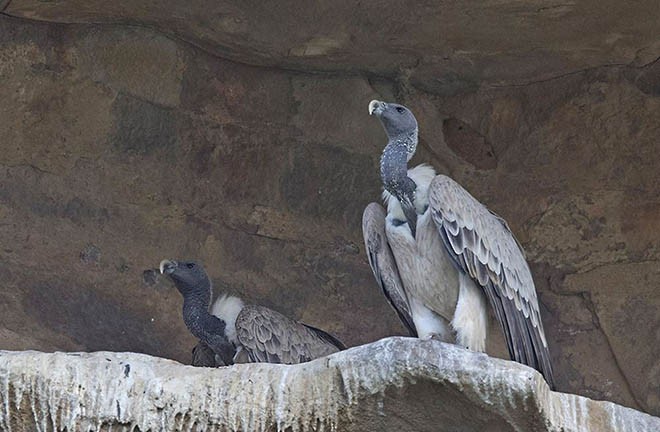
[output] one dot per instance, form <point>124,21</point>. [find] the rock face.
<point>237,133</point>
<point>443,47</point>
<point>390,385</point>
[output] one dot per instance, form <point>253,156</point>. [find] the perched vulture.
<point>439,255</point>
<point>239,333</point>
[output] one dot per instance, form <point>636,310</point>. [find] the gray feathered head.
<point>188,276</point>
<point>396,119</point>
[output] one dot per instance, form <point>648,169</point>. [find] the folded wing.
<point>383,264</point>
<point>482,245</point>
<point>268,336</point>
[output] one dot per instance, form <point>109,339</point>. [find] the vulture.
<point>237,333</point>
<point>440,256</point>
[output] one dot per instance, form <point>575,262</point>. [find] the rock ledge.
<point>392,384</point>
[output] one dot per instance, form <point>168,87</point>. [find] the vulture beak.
<point>376,107</point>
<point>167,266</point>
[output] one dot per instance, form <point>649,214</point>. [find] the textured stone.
<point>390,385</point>
<point>207,167</point>
<point>445,47</point>
<point>620,310</point>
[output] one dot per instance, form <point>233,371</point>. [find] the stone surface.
<point>445,47</point>
<point>132,136</point>
<point>104,175</point>
<point>390,385</point>
<point>618,313</point>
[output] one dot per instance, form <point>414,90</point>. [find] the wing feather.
<point>383,264</point>
<point>327,337</point>
<point>482,245</point>
<point>268,336</point>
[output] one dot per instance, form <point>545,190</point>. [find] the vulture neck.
<point>394,174</point>
<point>199,321</point>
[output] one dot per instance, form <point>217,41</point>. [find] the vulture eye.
<point>190,265</point>
<point>400,110</point>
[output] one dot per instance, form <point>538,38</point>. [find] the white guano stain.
<point>97,390</point>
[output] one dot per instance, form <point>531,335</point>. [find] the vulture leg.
<point>429,324</point>
<point>471,317</point>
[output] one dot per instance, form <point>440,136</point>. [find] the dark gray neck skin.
<point>206,327</point>
<point>394,174</point>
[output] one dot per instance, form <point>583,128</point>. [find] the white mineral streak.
<point>379,386</point>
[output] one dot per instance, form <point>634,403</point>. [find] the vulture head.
<point>396,119</point>
<point>188,276</point>
<point>194,285</point>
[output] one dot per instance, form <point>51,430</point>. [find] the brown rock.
<point>624,299</point>
<point>449,48</point>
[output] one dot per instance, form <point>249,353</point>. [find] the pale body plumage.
<point>431,280</point>
<point>440,256</point>
<point>227,308</point>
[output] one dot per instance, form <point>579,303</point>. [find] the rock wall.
<point>134,131</point>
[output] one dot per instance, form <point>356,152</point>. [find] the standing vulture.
<point>438,254</point>
<point>238,333</point>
